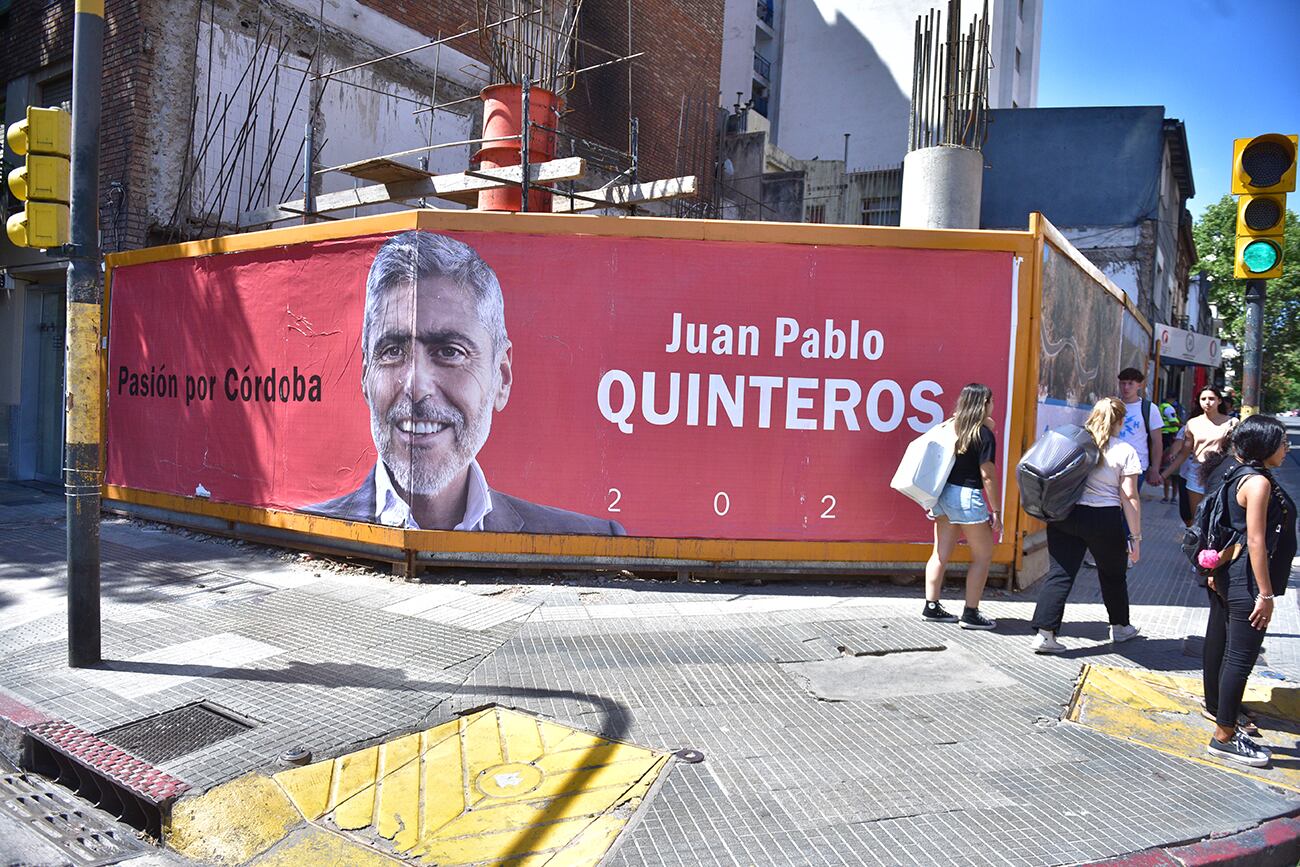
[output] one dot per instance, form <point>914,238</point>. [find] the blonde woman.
<point>969,506</point>
<point>1096,525</point>
<point>1201,455</point>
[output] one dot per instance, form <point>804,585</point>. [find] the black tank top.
<point>1281,526</point>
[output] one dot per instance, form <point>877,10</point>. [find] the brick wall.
<point>682,41</point>
<point>20,53</point>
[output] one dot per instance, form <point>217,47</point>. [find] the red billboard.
<point>554,383</point>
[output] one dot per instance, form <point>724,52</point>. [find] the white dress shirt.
<point>396,512</point>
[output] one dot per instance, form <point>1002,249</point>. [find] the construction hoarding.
<point>646,391</point>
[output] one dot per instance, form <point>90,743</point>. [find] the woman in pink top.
<point>1202,448</point>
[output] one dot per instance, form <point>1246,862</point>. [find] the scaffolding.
<point>235,138</point>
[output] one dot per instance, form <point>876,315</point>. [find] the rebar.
<point>530,40</point>
<point>949,79</point>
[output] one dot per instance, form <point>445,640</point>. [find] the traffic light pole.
<point>82,397</point>
<point>1253,356</point>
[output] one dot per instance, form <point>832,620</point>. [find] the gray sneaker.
<point>1119,634</point>
<point>1045,642</point>
<point>1241,749</point>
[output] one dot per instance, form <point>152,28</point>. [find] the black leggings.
<point>1231,648</point>
<point>1099,530</point>
<point>1184,501</point>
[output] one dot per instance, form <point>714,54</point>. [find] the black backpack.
<point>1052,474</point>
<point>1212,529</point>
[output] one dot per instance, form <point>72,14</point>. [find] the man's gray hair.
<point>407,258</point>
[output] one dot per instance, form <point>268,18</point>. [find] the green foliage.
<point>1215,234</point>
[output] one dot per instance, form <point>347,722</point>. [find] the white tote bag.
<point>926,464</point>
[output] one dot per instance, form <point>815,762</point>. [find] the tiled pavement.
<point>822,745</point>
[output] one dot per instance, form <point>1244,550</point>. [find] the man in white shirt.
<point>435,366</point>
<point>1143,434</point>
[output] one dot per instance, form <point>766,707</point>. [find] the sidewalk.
<point>836,726</point>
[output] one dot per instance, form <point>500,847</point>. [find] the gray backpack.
<point>1053,472</point>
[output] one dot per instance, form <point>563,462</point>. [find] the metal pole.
<point>1253,356</point>
<point>82,395</point>
<point>308,146</point>
<point>525,131</point>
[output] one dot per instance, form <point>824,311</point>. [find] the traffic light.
<point>1263,172</point>
<point>45,138</point>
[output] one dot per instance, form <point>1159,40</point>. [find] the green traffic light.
<point>1260,256</point>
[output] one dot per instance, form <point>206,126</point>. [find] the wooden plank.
<point>626,194</point>
<point>453,186</point>
<point>383,171</point>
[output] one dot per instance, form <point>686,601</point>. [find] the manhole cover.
<point>175,733</point>
<point>49,826</point>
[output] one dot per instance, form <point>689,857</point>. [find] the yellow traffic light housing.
<point>1263,172</point>
<point>45,138</point>
<point>44,179</point>
<point>1263,164</point>
<point>41,224</point>
<point>45,131</point>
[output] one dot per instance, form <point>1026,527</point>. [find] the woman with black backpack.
<point>1243,588</point>
<point>1096,525</point>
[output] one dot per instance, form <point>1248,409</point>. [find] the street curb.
<point>16,718</point>
<point>1275,843</point>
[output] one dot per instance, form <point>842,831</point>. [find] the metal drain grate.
<point>51,827</point>
<point>175,733</point>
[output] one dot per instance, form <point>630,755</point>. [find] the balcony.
<point>762,67</point>
<point>765,12</point>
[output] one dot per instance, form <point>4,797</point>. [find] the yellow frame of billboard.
<point>313,532</point>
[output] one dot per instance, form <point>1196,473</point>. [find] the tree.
<point>1215,233</point>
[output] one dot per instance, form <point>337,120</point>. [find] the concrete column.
<point>941,188</point>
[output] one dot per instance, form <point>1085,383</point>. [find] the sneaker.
<point>1240,749</point>
<point>1045,642</point>
<point>972,619</point>
<point>1120,634</point>
<point>936,613</point>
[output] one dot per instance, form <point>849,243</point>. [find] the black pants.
<point>1231,647</point>
<point>1184,501</point>
<point>1099,530</point>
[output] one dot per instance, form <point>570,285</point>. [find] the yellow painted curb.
<point>231,823</point>
<point>494,787</point>
<point>1163,712</point>
<point>311,845</point>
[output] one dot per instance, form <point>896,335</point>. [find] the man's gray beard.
<point>419,478</point>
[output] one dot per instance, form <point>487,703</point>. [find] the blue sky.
<point>1194,57</point>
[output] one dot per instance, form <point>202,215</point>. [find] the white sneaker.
<point>1045,642</point>
<point>1119,634</point>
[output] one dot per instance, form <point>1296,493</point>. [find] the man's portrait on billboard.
<point>436,365</point>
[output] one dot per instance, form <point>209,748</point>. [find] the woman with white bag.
<point>968,506</point>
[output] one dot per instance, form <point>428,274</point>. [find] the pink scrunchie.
<point>1208,558</point>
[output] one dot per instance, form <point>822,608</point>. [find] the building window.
<point>57,92</point>
<point>765,11</point>
<point>1017,60</point>
<point>762,66</point>
<point>1020,9</point>
<point>815,214</point>
<point>880,210</point>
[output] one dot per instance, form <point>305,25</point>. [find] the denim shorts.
<point>961,505</point>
